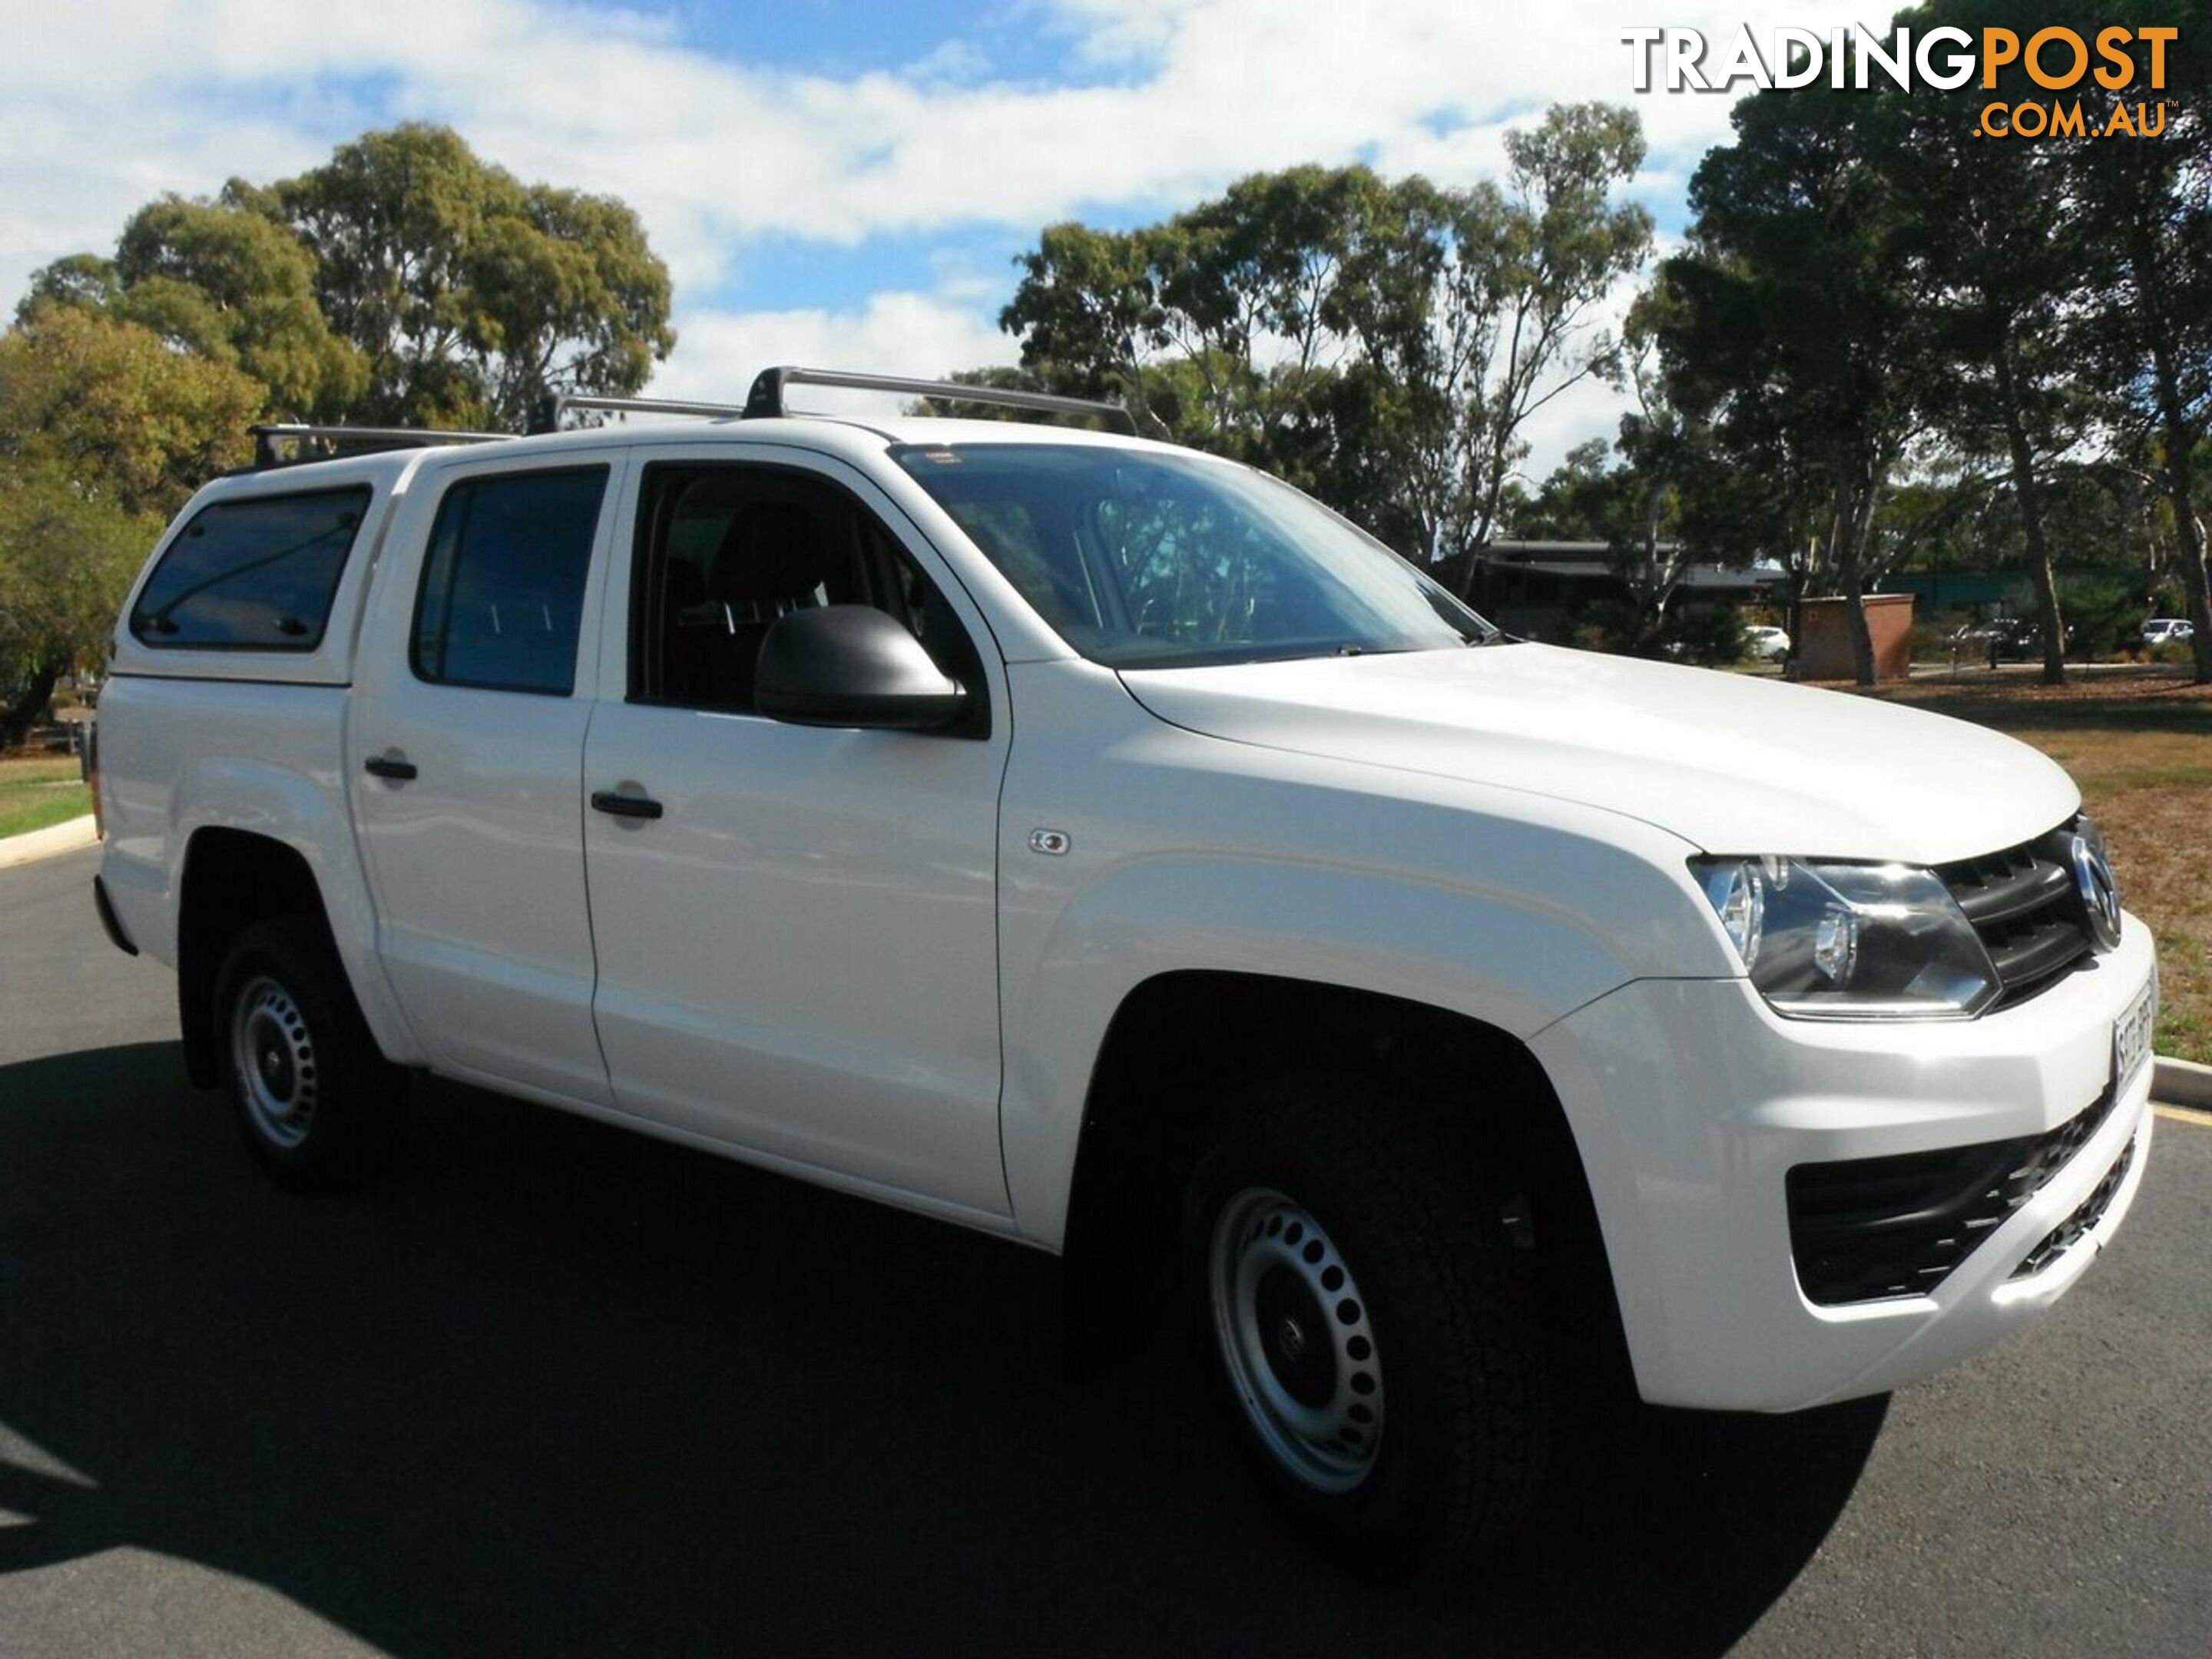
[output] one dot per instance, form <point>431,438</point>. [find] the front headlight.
<point>1850,941</point>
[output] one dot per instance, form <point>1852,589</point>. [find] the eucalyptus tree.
<point>1992,245</point>
<point>1382,343</point>
<point>1269,324</point>
<point>1793,332</point>
<point>219,281</point>
<point>1687,503</point>
<point>471,293</point>
<point>1532,269</point>
<point>104,432</point>
<point>2146,205</point>
<point>405,279</point>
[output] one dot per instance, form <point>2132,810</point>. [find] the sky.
<point>831,183</point>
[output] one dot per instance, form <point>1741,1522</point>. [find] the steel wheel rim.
<point>273,1055</point>
<point>1296,1339</point>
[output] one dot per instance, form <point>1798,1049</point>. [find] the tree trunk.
<point>2180,442</point>
<point>2031,521</point>
<point>1478,537</point>
<point>1862,664</point>
<point>1854,517</point>
<point>1489,494</point>
<point>1658,581</point>
<point>17,719</point>
<point>2189,528</point>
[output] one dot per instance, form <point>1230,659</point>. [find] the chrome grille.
<point>2025,905</point>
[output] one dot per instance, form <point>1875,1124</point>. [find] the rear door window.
<point>253,575</point>
<point>502,594</point>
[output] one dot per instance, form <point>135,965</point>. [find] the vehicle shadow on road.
<point>560,1389</point>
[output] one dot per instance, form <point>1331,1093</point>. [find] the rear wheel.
<point>319,1106</point>
<point>1369,1322</point>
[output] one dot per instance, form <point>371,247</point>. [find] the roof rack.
<point>352,440</point>
<point>765,400</point>
<point>546,417</point>
<point>766,397</point>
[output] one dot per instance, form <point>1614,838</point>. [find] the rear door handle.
<point>624,806</point>
<point>389,766</point>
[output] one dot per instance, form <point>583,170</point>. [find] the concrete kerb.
<point>45,843</point>
<point>2181,1082</point>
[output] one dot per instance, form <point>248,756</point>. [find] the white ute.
<point>1103,846</point>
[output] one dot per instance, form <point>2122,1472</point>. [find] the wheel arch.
<point>230,879</point>
<point>1184,1043</point>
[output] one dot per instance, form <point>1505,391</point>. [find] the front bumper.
<point>1691,1100</point>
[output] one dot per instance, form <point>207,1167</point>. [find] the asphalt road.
<point>559,1390</point>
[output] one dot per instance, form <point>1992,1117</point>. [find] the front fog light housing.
<point>1850,941</point>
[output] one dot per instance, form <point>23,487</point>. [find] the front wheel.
<point>319,1105</point>
<point>1368,1320</point>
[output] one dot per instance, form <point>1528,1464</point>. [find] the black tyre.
<point>1369,1322</point>
<point>319,1105</point>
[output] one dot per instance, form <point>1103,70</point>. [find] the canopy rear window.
<point>257,575</point>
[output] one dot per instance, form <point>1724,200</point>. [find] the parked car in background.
<point>2007,639</point>
<point>2167,630</point>
<point>1764,644</point>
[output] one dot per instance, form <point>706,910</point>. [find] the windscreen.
<point>1141,559</point>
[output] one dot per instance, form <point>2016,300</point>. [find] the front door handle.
<point>624,806</point>
<point>389,766</point>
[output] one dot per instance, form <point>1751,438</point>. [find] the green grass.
<point>39,791</point>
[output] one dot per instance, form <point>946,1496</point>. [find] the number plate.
<point>2132,1036</point>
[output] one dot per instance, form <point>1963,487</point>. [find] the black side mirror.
<point>851,665</point>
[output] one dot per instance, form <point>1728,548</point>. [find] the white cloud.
<point>952,62</point>
<point>1588,409</point>
<point>108,103</point>
<point>104,99</point>
<point>921,336</point>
